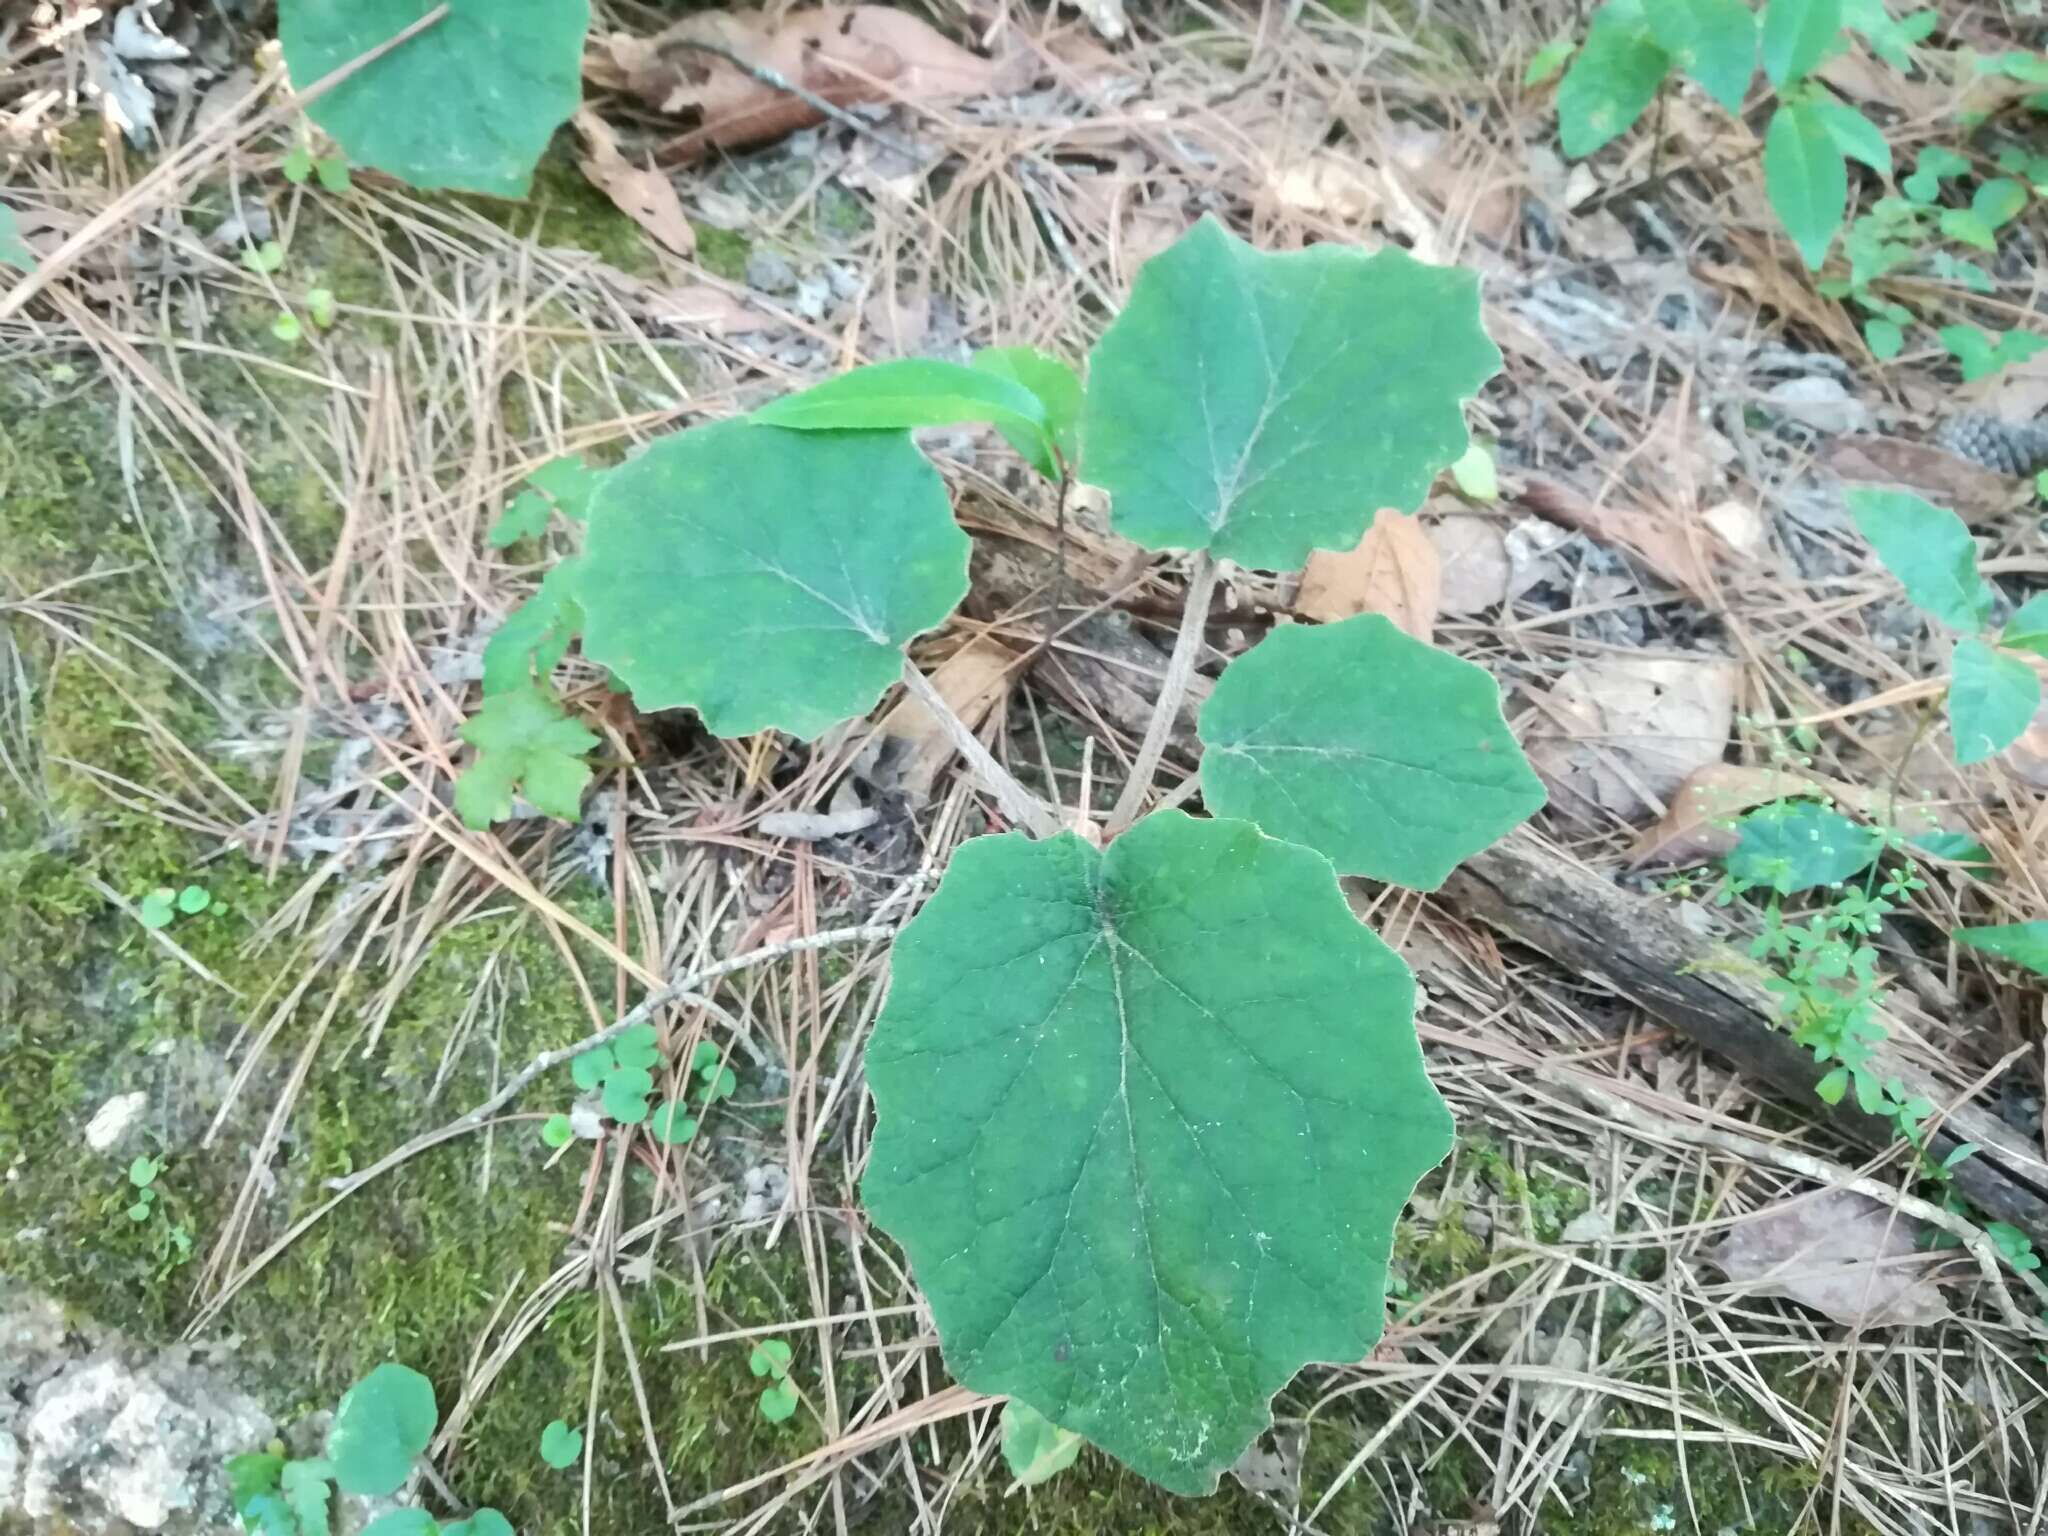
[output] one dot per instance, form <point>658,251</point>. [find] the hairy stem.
<point>1187,650</point>
<point>1017,802</point>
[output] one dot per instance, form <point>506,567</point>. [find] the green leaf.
<point>332,172</point>
<point>560,1446</point>
<point>1959,847</point>
<point>1795,845</point>
<point>139,1211</point>
<point>827,551</point>
<point>2027,629</point>
<point>1997,201</point>
<point>639,1046</point>
<point>1475,474</point>
<point>1259,406</point>
<point>557,1130</point>
<point>194,899</point>
<point>1385,755</point>
<point>525,517</point>
<point>1885,338</point>
<point>625,1094</point>
<point>1612,81</point>
<point>1992,697</point>
<point>305,1489</point>
<point>297,165</point>
<point>1890,40</point>
<point>1714,41</point>
<point>403,1522</point>
<point>919,392</point>
<point>1145,1119</point>
<point>1833,1087</point>
<point>1056,387</point>
<point>1547,62</point>
<point>1931,552</point>
<point>1968,226</point>
<point>1854,134</point>
<point>468,104</point>
<point>523,737</point>
<point>1034,1448</point>
<point>484,1522</point>
<point>286,328</point>
<point>2024,944</point>
<point>253,1490</point>
<point>535,635</point>
<point>1806,179</point>
<point>719,1083</point>
<point>320,305</point>
<point>143,1171</point>
<point>14,251</point>
<point>1934,165</point>
<point>565,485</point>
<point>770,1357</point>
<point>779,1401</point>
<point>265,258</point>
<point>588,1069</point>
<point>157,908</point>
<point>381,1425</point>
<point>672,1123</point>
<point>1950,268</point>
<point>1797,34</point>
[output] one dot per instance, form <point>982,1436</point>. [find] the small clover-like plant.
<point>142,1180</point>
<point>1159,1079</point>
<point>1993,692</point>
<point>770,1358</point>
<point>560,1446</point>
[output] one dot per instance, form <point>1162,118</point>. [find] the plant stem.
<point>1017,802</point>
<point>1187,650</point>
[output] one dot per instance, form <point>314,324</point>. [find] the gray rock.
<point>770,271</point>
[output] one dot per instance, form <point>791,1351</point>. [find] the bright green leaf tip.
<point>2024,944</point>
<point>1143,1177</point>
<point>1262,405</point>
<point>920,392</point>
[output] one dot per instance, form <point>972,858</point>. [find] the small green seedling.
<point>1068,1015</point>
<point>1034,1448</point>
<point>320,306</point>
<point>558,1130</point>
<point>142,1179</point>
<point>286,328</point>
<point>300,164</point>
<point>563,485</point>
<point>264,259</point>
<point>162,906</point>
<point>560,1446</point>
<point>779,1398</point>
<point>1993,693</point>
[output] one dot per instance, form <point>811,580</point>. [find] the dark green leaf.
<point>1384,754</point>
<point>588,1069</point>
<point>919,392</point>
<point>1806,178</point>
<point>1612,81</point>
<point>1795,845</point>
<point>470,103</point>
<point>768,579</point>
<point>1797,34</point>
<point>1714,41</point>
<point>1957,847</point>
<point>1260,406</point>
<point>1992,697</point>
<point>535,635</point>
<point>1057,387</point>
<point>525,739</point>
<point>625,1094</point>
<point>1885,338</point>
<point>380,1426</point>
<point>560,1446</point>
<point>1931,552</point>
<point>2027,629</point>
<point>1997,201</point>
<point>1034,1448</point>
<point>1145,1119</point>
<point>2024,944</point>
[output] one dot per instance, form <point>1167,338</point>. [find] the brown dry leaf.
<point>647,197</point>
<point>1336,186</point>
<point>973,679</point>
<point>1764,277</point>
<point>848,55</point>
<point>2019,393</point>
<point>1947,479</point>
<point>1626,731</point>
<point>1394,571</point>
<point>1841,1253</point>
<point>1738,525</point>
<point>1696,828</point>
<point>1472,554</point>
<point>688,306</point>
<point>1657,539</point>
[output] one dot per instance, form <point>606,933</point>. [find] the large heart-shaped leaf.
<point>1795,845</point>
<point>1612,81</point>
<point>919,392</point>
<point>381,1424</point>
<point>1929,549</point>
<point>470,103</point>
<point>767,578</point>
<point>1386,755</point>
<point>1259,406</point>
<point>1146,1118</point>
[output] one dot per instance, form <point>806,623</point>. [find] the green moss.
<point>723,252</point>
<point>564,209</point>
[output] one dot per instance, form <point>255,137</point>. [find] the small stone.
<point>770,271</point>
<point>114,1119</point>
<point>1821,403</point>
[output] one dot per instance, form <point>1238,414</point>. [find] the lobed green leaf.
<point>524,740</point>
<point>1992,698</point>
<point>1931,552</point>
<point>1260,406</point>
<point>1143,1176</point>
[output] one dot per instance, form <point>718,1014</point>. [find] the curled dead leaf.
<point>1841,1253</point>
<point>1472,554</point>
<point>1658,539</point>
<point>1944,478</point>
<point>647,197</point>
<point>1624,732</point>
<point>1394,570</point>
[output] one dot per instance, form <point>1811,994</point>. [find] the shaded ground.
<point>244,585</point>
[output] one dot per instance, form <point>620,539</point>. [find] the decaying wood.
<point>1540,896</point>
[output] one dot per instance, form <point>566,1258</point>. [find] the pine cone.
<point>2005,447</point>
